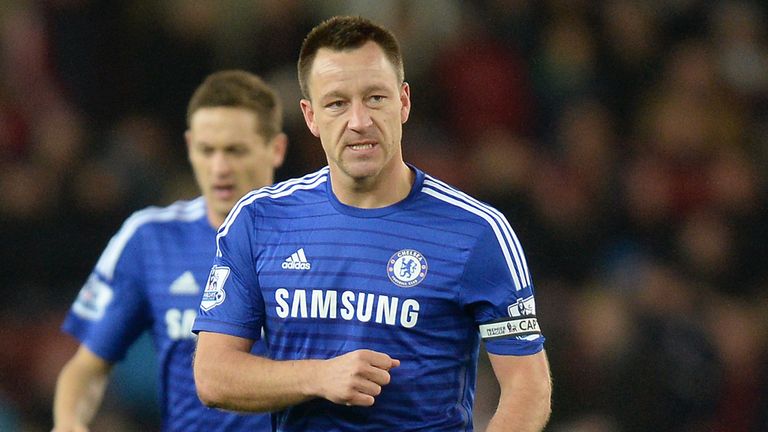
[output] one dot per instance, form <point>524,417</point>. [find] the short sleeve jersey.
<point>423,280</point>
<point>151,277</point>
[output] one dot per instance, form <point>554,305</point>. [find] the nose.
<point>220,165</point>
<point>359,118</point>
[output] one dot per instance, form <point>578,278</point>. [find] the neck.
<point>374,192</point>
<point>214,219</point>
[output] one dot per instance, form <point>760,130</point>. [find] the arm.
<point>79,391</point>
<point>227,376</point>
<point>526,389</point>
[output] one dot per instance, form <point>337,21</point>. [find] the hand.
<point>355,378</point>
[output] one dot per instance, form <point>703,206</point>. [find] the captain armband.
<point>510,327</point>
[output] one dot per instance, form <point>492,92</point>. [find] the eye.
<point>237,151</point>
<point>337,104</point>
<point>376,99</point>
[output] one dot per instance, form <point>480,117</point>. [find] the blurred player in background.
<point>150,275</point>
<point>374,282</point>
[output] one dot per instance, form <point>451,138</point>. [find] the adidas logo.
<point>185,285</point>
<point>297,261</point>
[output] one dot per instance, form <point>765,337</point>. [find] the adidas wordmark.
<point>297,261</point>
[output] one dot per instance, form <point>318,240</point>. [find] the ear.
<point>405,100</point>
<point>279,146</point>
<point>309,116</point>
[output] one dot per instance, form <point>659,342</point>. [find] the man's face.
<point>229,157</point>
<point>357,109</point>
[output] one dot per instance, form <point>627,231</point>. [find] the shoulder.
<point>296,187</point>
<point>273,202</point>
<point>460,206</point>
<point>289,192</point>
<point>179,211</point>
<point>493,236</point>
<point>149,220</point>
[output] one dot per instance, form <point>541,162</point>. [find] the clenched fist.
<point>355,378</point>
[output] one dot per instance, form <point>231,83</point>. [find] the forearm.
<point>526,392</point>
<point>227,376</point>
<point>521,413</point>
<point>79,392</point>
<point>240,381</point>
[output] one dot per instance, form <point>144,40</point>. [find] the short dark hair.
<point>240,89</point>
<point>346,32</point>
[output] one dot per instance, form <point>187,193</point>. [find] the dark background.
<point>625,141</point>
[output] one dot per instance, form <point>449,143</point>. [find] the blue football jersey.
<point>151,277</point>
<point>423,280</point>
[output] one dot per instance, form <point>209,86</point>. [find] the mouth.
<point>224,192</point>
<point>362,145</point>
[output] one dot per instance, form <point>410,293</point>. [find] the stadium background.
<point>625,140</point>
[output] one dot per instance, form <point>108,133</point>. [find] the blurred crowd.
<point>625,140</point>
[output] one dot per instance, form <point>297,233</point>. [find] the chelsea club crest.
<point>407,268</point>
